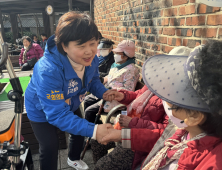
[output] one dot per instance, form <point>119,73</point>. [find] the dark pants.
<point>47,136</point>
<point>26,67</point>
<point>91,107</point>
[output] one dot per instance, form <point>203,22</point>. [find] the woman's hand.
<point>109,95</point>
<point>102,130</point>
<point>113,95</point>
<point>113,135</point>
<point>124,120</point>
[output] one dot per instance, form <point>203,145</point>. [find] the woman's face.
<point>35,38</point>
<point>180,114</point>
<point>82,54</point>
<point>26,43</point>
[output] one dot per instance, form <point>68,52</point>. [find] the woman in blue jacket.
<point>61,78</point>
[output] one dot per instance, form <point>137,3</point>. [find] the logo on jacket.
<point>72,86</point>
<point>55,95</point>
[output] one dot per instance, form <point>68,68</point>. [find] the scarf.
<point>174,148</point>
<point>25,53</point>
<point>139,103</point>
<point>136,107</point>
<point>120,66</point>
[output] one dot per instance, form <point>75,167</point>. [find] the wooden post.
<point>2,27</point>
<point>46,23</point>
<point>92,9</point>
<point>52,18</point>
<point>70,5</point>
<point>14,24</point>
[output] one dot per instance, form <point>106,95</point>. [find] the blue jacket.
<point>54,81</point>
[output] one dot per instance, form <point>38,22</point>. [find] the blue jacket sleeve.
<point>58,111</point>
<point>96,87</point>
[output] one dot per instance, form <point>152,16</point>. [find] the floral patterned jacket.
<point>125,78</point>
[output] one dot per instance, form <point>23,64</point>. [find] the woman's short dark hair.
<point>27,38</point>
<point>74,26</point>
<point>34,36</point>
<point>43,34</point>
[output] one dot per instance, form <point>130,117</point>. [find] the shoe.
<point>78,164</point>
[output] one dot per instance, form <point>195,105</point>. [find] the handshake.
<point>113,94</point>
<point>106,133</point>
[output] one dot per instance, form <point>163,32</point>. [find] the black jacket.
<point>104,67</point>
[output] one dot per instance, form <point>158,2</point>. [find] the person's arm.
<point>129,96</point>
<point>49,90</point>
<point>141,123</point>
<point>39,50</point>
<point>140,139</point>
<point>21,57</point>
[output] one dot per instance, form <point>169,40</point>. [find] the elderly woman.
<point>61,78</point>
<point>144,111</point>
<point>191,90</point>
<point>30,54</point>
<point>106,56</point>
<point>122,75</point>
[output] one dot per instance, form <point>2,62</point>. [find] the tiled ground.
<point>62,162</point>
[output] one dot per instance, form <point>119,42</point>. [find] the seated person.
<point>106,57</point>
<point>35,39</point>
<point>144,110</point>
<point>30,54</point>
<point>123,75</point>
<point>191,90</point>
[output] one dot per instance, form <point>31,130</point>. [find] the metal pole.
<point>92,9</point>
<point>18,122</point>
<point>70,5</point>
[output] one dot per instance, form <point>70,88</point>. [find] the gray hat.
<point>166,76</point>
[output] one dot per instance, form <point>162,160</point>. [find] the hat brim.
<point>117,50</point>
<point>164,75</point>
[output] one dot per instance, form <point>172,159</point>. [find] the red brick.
<point>182,21</point>
<point>214,20</point>
<point>185,42</point>
<point>162,40</point>
<point>170,12</point>
<point>206,32</point>
<point>179,2</point>
<point>220,32</point>
<point>215,9</point>
<point>186,10</point>
<point>200,20</point>
<point>178,32</point>
<point>166,49</point>
<point>170,41</point>
<point>189,32</point>
<point>178,42</point>
<point>165,21</point>
<point>169,31</point>
<point>182,10</point>
<point>202,8</point>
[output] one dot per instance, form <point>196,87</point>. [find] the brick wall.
<point>157,26</point>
